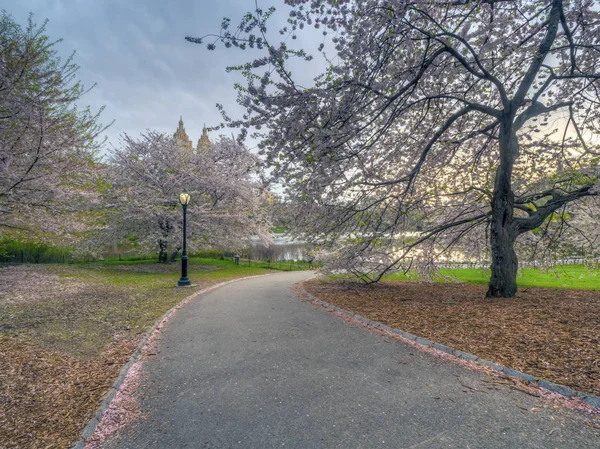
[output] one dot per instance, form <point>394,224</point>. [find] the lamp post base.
<point>184,282</point>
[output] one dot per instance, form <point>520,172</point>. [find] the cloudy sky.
<point>147,75</point>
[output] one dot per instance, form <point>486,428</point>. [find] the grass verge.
<point>582,277</point>
<point>66,330</point>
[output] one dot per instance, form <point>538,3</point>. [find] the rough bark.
<point>503,281</point>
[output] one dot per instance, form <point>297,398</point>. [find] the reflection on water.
<point>283,248</point>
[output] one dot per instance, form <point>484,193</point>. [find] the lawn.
<point>66,330</point>
<point>563,276</point>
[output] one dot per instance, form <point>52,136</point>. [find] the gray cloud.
<point>147,75</point>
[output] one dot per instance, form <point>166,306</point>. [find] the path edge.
<point>563,390</point>
<point>90,427</point>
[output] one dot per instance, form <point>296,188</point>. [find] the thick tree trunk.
<point>503,281</point>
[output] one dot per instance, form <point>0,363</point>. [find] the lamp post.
<point>184,199</point>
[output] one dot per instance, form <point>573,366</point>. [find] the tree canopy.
<point>433,125</point>
<point>55,186</point>
<point>47,144</point>
<point>146,176</point>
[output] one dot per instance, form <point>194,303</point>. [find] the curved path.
<point>250,365</point>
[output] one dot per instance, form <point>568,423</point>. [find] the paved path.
<point>250,365</point>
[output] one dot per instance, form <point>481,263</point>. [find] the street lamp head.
<point>184,198</point>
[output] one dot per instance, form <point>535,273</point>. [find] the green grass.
<point>122,261</point>
<point>218,262</point>
<point>277,265</point>
<point>563,276</point>
<point>17,251</point>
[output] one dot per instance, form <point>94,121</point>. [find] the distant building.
<point>203,141</point>
<point>184,141</point>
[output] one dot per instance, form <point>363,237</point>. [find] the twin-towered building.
<point>184,141</point>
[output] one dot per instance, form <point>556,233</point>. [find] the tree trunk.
<point>162,254</point>
<point>503,281</point>
<point>165,227</point>
<point>174,254</point>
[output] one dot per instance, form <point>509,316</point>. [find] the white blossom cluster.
<point>47,145</point>
<point>148,174</point>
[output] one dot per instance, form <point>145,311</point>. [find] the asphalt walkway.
<point>250,365</point>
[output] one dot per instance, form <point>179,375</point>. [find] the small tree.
<point>47,145</point>
<point>147,176</point>
<point>445,111</point>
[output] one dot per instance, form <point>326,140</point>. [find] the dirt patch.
<point>47,397</point>
<point>551,334</point>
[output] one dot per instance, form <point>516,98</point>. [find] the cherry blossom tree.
<point>47,145</point>
<point>433,121</point>
<point>147,175</point>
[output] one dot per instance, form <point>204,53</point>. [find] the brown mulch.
<point>550,334</point>
<point>47,397</point>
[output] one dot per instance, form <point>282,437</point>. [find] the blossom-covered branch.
<point>423,100</point>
